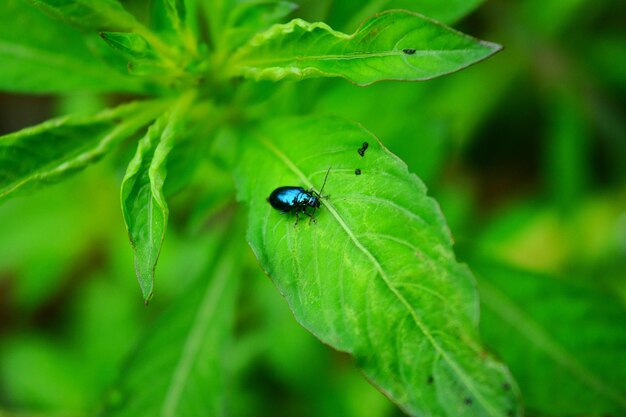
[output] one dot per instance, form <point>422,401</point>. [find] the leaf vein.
<point>507,309</point>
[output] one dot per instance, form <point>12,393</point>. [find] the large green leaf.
<point>49,151</point>
<point>564,343</point>
<point>143,202</point>
<point>52,58</point>
<point>178,369</point>
<point>395,45</point>
<point>376,275</point>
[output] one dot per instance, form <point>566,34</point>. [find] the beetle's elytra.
<point>296,199</point>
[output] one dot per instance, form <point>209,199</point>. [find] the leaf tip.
<point>146,281</point>
<point>494,47</point>
<point>147,295</point>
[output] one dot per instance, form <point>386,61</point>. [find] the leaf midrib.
<point>193,341</point>
<point>355,56</point>
<point>425,330</point>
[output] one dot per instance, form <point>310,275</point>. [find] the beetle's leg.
<point>311,217</point>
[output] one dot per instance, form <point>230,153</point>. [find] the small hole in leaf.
<point>409,51</point>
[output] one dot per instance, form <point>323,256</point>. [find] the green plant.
<point>214,98</point>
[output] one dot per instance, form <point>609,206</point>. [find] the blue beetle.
<point>297,199</point>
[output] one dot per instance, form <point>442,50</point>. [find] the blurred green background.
<point>526,153</point>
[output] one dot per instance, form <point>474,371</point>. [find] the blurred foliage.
<point>525,154</point>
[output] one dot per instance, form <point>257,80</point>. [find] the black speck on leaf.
<point>467,401</point>
<point>430,380</point>
<point>363,148</point>
<point>409,51</point>
<point>506,386</point>
<point>357,171</point>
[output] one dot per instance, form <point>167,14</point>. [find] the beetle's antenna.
<point>320,194</point>
<point>325,178</point>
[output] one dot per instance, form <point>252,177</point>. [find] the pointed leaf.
<point>176,11</point>
<point>141,56</point>
<point>376,275</point>
<point>103,15</point>
<point>214,13</point>
<point>47,152</point>
<point>89,13</point>
<point>395,45</point>
<point>185,348</point>
<point>169,18</point>
<point>143,203</point>
<point>131,45</point>
<point>52,58</point>
<point>564,343</point>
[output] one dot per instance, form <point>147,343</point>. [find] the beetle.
<point>297,199</point>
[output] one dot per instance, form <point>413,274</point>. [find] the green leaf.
<point>48,152</point>
<point>131,45</point>
<point>260,13</point>
<point>176,11</point>
<point>376,275</point>
<point>564,343</point>
<point>53,58</point>
<point>395,45</point>
<point>178,369</point>
<point>250,17</point>
<point>103,15</point>
<point>143,203</point>
<point>142,58</point>
<point>446,11</point>
<point>215,13</point>
<point>89,13</point>
<point>170,19</point>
